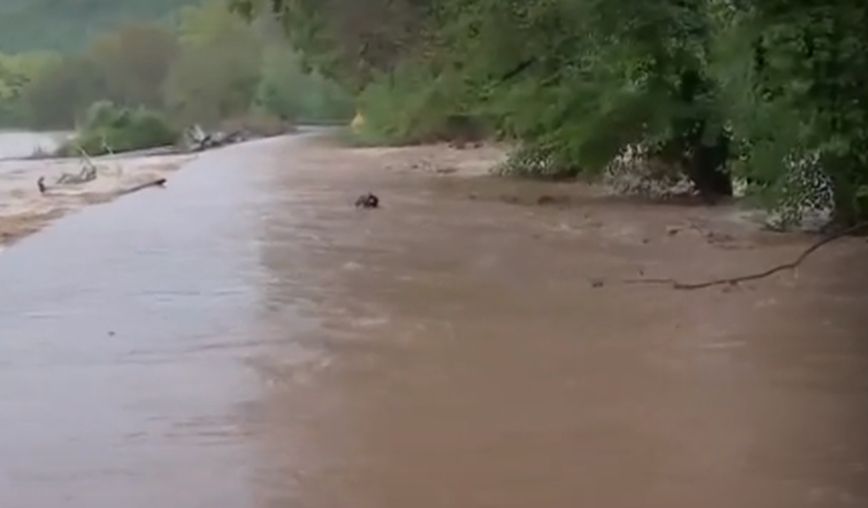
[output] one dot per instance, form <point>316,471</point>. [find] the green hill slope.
<point>68,25</point>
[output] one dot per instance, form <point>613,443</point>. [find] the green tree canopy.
<point>763,90</point>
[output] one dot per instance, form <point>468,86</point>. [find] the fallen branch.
<point>85,157</point>
<point>160,182</point>
<point>731,281</point>
<point>518,69</point>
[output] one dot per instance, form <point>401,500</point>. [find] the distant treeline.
<point>209,67</point>
<point>69,25</point>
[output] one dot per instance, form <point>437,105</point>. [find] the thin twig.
<point>754,276</point>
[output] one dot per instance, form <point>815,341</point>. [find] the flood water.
<point>15,144</point>
<point>245,338</point>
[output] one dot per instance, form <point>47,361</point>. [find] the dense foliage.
<point>796,79</point>
<point>110,128</point>
<point>771,92</point>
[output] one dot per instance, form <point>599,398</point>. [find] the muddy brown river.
<point>245,338</point>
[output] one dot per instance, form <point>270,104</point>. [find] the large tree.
<point>349,40</point>
<point>219,67</point>
<point>132,60</point>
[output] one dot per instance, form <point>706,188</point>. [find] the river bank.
<point>26,157</point>
<point>24,210</point>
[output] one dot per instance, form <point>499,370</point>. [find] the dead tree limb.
<point>731,281</point>
<point>160,182</point>
<point>85,157</point>
<point>518,69</point>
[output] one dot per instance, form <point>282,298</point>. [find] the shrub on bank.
<point>110,128</point>
<point>415,105</point>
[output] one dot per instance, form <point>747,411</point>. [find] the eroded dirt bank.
<point>246,338</point>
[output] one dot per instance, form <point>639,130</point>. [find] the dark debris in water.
<point>368,201</point>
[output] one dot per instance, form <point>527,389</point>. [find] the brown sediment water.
<point>247,338</point>
<point>25,209</point>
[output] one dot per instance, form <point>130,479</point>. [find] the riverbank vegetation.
<point>111,128</point>
<point>768,98</point>
<point>143,83</point>
<point>772,95</point>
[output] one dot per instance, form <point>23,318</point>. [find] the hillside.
<point>67,25</point>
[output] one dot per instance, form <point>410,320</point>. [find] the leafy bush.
<point>109,128</point>
<point>288,92</point>
<point>416,105</point>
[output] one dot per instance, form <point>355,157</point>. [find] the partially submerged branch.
<point>731,281</point>
<point>160,182</point>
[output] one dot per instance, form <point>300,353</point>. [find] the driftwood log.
<point>160,182</point>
